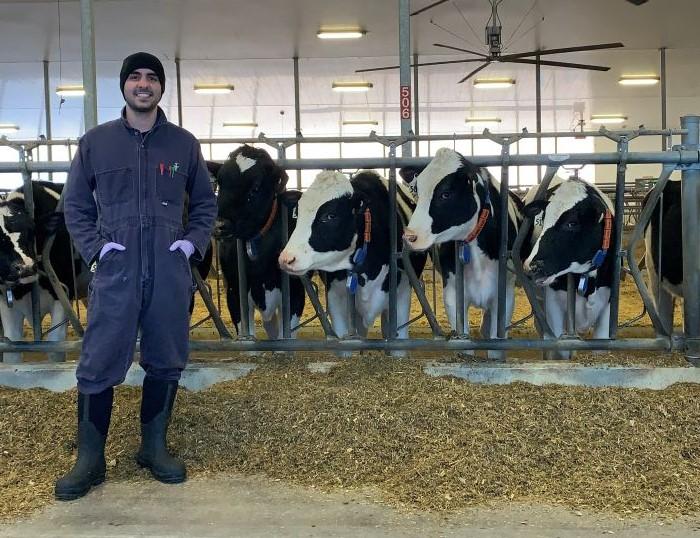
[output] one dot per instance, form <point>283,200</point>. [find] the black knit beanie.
<point>141,60</point>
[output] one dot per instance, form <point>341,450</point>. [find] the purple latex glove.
<point>184,245</point>
<point>110,246</point>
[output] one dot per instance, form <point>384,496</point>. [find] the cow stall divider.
<point>685,157</point>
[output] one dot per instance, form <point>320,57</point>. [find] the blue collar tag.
<point>360,255</point>
<point>351,283</point>
<point>251,248</point>
<point>599,258</point>
<point>465,253</point>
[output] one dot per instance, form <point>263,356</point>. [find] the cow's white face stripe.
<point>5,212</point>
<point>328,185</point>
<point>244,163</point>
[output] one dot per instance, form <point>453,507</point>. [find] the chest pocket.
<point>115,185</point>
<point>171,187</point>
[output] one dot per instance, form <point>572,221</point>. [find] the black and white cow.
<point>458,201</point>
<point>19,267</point>
<point>343,229</point>
<point>251,194</point>
<point>573,233</point>
<point>671,266</point>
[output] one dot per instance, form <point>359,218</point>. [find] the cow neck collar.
<point>252,244</point>
<point>600,256</point>
<point>464,249</point>
<point>360,254</point>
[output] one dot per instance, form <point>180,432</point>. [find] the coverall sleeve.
<point>202,208</point>
<point>79,206</point>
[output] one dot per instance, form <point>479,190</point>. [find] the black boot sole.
<point>164,478</point>
<point>72,495</point>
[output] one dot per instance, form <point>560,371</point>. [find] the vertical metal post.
<point>538,105</point>
<point>393,246</point>
<point>47,112</point>
<point>622,147</point>
<point>178,80</point>
<point>503,249</point>
<point>570,305</point>
<point>416,115</point>
<point>461,321</point>
<point>664,139</point>
<point>405,66</point>
<point>246,329</point>
<point>297,116</point>
<point>286,307</point>
<point>87,39</point>
<point>690,198</point>
<point>29,205</point>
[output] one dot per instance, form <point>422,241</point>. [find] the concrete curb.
<point>59,377</point>
<point>638,377</point>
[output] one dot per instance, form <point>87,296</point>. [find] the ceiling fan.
<point>493,40</point>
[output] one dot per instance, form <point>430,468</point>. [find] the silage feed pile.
<point>424,443</point>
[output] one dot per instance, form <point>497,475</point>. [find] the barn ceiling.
<point>250,44</point>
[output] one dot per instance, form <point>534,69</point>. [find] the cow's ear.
<point>533,209</point>
<point>409,173</point>
<point>290,198</point>
<point>214,168</point>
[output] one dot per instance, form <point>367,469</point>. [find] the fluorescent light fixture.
<point>493,83</point>
<point>360,122</point>
<point>340,33</point>
<point>482,121</point>
<point>213,89</point>
<point>70,91</point>
<point>608,118</point>
<point>639,80</point>
<point>352,86</point>
<point>240,124</point>
<point>8,128</point>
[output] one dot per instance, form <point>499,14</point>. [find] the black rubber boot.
<point>156,407</point>
<point>94,414</point>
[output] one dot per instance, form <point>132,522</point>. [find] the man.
<point>124,209</point>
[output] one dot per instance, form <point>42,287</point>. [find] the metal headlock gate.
<point>684,157</point>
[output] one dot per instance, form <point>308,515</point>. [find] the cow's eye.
<point>445,195</point>
<point>571,225</point>
<point>328,217</point>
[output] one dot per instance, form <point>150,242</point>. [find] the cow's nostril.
<point>410,236</point>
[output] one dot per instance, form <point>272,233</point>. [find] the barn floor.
<point>252,507</point>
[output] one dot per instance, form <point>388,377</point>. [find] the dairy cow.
<point>19,267</point>
<point>458,201</point>
<point>251,195</point>
<point>665,273</point>
<point>343,229</point>
<point>573,233</point>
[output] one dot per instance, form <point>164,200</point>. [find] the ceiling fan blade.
<point>559,64</point>
<point>475,72</point>
<point>581,48</point>
<point>420,65</point>
<point>460,50</point>
<point>426,8</point>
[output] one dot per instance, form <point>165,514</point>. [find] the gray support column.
<point>47,112</point>
<point>416,115</point>
<point>393,247</point>
<point>297,116</point>
<point>538,104</point>
<point>690,196</point>
<point>87,39</point>
<point>178,80</point>
<point>662,74</point>
<point>245,330</point>
<point>405,65</point>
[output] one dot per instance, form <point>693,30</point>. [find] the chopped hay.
<point>427,443</point>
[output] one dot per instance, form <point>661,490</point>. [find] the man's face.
<point>142,90</point>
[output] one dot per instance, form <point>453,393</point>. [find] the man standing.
<point>124,203</point>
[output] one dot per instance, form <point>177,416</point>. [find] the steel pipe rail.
<point>357,344</point>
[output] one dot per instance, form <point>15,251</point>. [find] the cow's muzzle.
<point>288,263</point>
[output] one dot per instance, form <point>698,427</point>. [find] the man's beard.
<point>133,103</point>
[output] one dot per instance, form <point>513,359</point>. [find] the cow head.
<point>326,233</point>
<point>570,233</point>
<point>451,193</point>
<point>248,183</point>
<point>17,253</point>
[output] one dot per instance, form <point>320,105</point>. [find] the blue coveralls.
<point>129,187</point>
